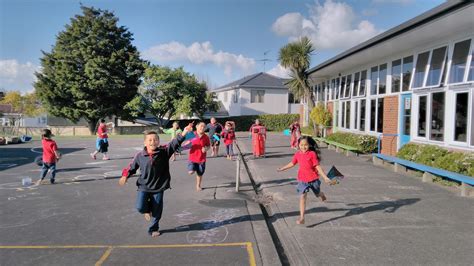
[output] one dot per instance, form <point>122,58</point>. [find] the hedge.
<point>278,122</point>
<point>431,155</point>
<point>365,143</point>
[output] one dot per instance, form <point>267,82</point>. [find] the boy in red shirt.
<point>50,156</point>
<point>308,177</point>
<point>197,155</point>
<point>102,141</point>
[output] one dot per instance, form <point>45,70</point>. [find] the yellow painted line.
<point>185,245</point>
<point>104,257</point>
<point>49,247</point>
<point>251,254</point>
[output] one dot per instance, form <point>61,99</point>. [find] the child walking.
<point>229,138</point>
<point>102,141</point>
<point>200,144</point>
<point>308,172</point>
<point>50,156</point>
<point>174,131</point>
<point>155,177</point>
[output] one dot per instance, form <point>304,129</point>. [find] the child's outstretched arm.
<point>288,166</point>
<point>323,174</point>
<point>130,170</point>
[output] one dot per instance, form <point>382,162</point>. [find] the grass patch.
<point>445,182</point>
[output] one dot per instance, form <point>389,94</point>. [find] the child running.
<point>155,177</point>
<point>174,131</point>
<point>102,141</point>
<point>229,138</point>
<point>308,172</point>
<point>50,156</point>
<point>200,144</point>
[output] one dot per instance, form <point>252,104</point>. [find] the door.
<point>405,119</point>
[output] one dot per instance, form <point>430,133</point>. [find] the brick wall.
<point>390,125</point>
<point>330,109</point>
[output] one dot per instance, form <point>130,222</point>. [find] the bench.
<point>332,145</point>
<point>401,165</point>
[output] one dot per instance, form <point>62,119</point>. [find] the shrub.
<point>458,162</point>
<point>365,143</point>
<point>277,122</point>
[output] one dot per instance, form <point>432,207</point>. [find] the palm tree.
<point>296,57</point>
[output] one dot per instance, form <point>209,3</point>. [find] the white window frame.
<point>355,87</point>
<point>452,115</point>
<point>440,81</point>
<point>359,114</point>
<point>424,74</point>
<point>235,96</point>
<point>365,80</point>
<point>225,96</point>
<point>257,100</point>
<point>468,60</point>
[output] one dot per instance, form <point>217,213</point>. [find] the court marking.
<point>110,248</point>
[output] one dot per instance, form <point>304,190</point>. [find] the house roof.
<point>257,80</point>
<point>420,20</point>
<point>6,108</point>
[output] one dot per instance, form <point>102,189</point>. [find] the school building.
<point>412,83</point>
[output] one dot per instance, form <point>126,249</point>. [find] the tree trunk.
<point>92,124</point>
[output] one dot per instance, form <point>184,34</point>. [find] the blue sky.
<point>217,40</point>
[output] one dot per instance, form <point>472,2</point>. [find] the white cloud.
<point>331,25</point>
<point>401,2</point>
<point>17,76</point>
<point>200,53</point>
<point>279,71</point>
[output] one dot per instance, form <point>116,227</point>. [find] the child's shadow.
<point>387,206</point>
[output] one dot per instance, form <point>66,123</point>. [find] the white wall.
<point>275,102</point>
<point>232,108</point>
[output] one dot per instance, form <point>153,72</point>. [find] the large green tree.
<point>170,92</point>
<point>296,57</point>
<point>92,71</point>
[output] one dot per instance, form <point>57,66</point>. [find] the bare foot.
<point>198,189</point>
<point>147,217</point>
<point>300,221</point>
<point>322,196</point>
<point>191,172</point>
<point>155,234</point>
<point>38,182</point>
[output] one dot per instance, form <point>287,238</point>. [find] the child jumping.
<point>102,141</point>
<point>308,172</point>
<point>155,177</point>
<point>229,138</point>
<point>50,156</point>
<point>174,131</point>
<point>200,144</point>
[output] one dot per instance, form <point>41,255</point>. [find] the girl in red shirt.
<point>308,172</point>
<point>229,138</point>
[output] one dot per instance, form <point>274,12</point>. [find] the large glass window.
<point>458,62</point>
<point>374,74</point>
<point>347,91</point>
<point>460,119</point>
<point>436,66</point>
<point>363,81</point>
<point>343,86</point>
<point>337,88</point>
<point>372,115</point>
<point>383,79</point>
<point>420,69</point>
<point>333,85</point>
<point>362,115</point>
<point>355,89</point>
<point>470,77</point>
<point>407,69</point>
<point>422,116</point>
<point>235,96</point>
<point>437,116</point>
<point>356,105</point>
<point>348,115</point>
<point>406,116</point>
<point>257,96</point>
<point>396,75</point>
<point>343,114</point>
<point>380,115</point>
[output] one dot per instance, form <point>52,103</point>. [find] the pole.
<point>237,174</point>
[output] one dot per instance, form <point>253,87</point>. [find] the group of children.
<point>155,178</point>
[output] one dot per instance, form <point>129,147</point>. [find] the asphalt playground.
<point>86,218</point>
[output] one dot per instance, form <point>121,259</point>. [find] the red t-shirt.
<point>195,154</point>
<point>308,162</point>
<point>229,137</point>
<point>102,129</point>
<point>49,146</point>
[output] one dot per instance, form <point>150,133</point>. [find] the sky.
<point>219,41</point>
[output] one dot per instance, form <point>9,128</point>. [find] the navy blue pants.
<point>151,202</point>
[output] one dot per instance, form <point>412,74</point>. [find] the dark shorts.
<point>199,168</point>
<point>304,187</point>
<point>214,142</point>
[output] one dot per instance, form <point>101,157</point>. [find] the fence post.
<point>237,174</point>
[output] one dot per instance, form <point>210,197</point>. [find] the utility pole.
<point>264,60</point>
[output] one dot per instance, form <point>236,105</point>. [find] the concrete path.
<point>373,217</point>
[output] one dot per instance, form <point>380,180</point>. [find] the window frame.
<point>443,66</point>
<point>258,96</point>
<point>469,122</point>
<point>467,65</point>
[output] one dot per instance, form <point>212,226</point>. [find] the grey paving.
<point>86,213</point>
<point>373,217</point>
